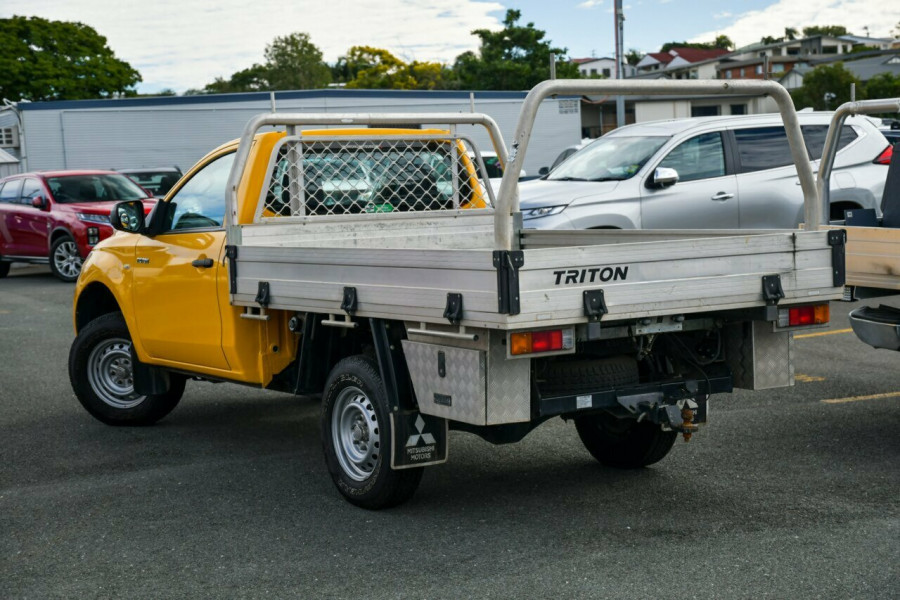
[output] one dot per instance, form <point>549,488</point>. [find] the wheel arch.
<point>94,301</point>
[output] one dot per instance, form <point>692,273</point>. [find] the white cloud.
<point>590,3</point>
<point>880,16</point>
<point>722,15</point>
<point>183,44</point>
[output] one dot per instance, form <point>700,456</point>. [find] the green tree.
<point>826,87</point>
<point>59,60</point>
<point>294,62</point>
<point>633,57</point>
<point>722,42</point>
<point>883,85</point>
<point>514,58</point>
<point>829,30</point>
<point>790,33</point>
<point>366,67</point>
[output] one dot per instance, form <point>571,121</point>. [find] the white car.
<point>706,172</point>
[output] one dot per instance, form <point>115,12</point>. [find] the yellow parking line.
<point>807,335</point>
<point>860,398</point>
<point>807,378</point>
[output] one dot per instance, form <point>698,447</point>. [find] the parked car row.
<point>698,173</point>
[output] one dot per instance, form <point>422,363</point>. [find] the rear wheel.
<point>356,437</point>
<point>624,443</point>
<point>65,261</point>
<point>102,375</point>
<point>4,269</point>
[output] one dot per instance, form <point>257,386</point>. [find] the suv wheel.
<point>65,261</point>
<point>4,269</point>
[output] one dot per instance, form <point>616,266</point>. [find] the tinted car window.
<point>31,190</point>
<point>762,148</point>
<point>700,157</point>
<point>93,188</point>
<point>200,203</point>
<point>10,192</point>
<point>814,135</point>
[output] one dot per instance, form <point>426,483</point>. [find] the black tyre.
<point>101,373</point>
<point>576,376</point>
<point>4,269</point>
<point>624,443</point>
<point>65,261</point>
<point>356,437</point>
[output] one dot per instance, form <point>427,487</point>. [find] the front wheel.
<point>356,437</point>
<point>102,375</point>
<point>624,443</point>
<point>4,268</point>
<point>65,261</point>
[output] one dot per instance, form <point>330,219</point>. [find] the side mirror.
<point>663,177</point>
<point>128,216</point>
<point>543,171</point>
<point>39,202</point>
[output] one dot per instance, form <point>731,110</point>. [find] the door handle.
<point>722,196</point>
<point>203,263</point>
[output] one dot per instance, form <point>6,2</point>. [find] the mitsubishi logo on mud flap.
<point>425,437</point>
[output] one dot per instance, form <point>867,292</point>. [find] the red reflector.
<point>545,341</point>
<point>885,157</point>
<point>802,315</point>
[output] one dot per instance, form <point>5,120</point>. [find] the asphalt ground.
<point>792,493</point>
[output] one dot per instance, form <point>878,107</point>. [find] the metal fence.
<point>326,175</point>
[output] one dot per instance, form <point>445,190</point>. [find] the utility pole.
<point>620,65</point>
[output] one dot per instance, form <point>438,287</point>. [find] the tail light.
<point>798,316</point>
<point>885,157</point>
<point>535,342</point>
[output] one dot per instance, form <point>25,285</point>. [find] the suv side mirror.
<point>543,171</point>
<point>663,177</point>
<point>128,216</point>
<point>40,202</point>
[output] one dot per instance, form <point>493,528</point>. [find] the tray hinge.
<point>508,263</point>
<point>350,302</point>
<point>594,304</point>
<point>772,292</point>
<point>262,294</point>
<point>231,253</point>
<point>837,239</point>
<point>453,312</point>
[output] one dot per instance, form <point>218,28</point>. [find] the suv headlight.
<point>544,211</point>
<point>92,218</point>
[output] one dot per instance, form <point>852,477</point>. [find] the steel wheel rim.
<point>355,433</point>
<point>67,260</point>
<point>111,375</point>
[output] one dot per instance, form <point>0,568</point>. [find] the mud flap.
<point>418,440</point>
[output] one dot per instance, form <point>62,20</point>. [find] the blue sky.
<point>180,44</point>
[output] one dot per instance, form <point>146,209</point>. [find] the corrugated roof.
<point>693,55</point>
<point>7,158</point>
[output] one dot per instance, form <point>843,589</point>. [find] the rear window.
<point>815,138</point>
<point>10,191</point>
<point>767,147</point>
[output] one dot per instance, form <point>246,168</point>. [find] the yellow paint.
<point>861,398</point>
<point>190,309</point>
<point>821,333</point>
<point>808,378</point>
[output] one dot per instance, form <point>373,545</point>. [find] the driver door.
<point>175,277</point>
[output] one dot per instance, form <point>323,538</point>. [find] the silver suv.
<point>701,173</point>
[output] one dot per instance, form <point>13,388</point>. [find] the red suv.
<point>58,216</point>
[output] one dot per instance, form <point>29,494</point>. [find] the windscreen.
<point>611,158</point>
<point>93,188</point>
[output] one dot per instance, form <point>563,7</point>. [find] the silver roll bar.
<point>862,107</point>
<point>508,199</point>
<point>347,120</point>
